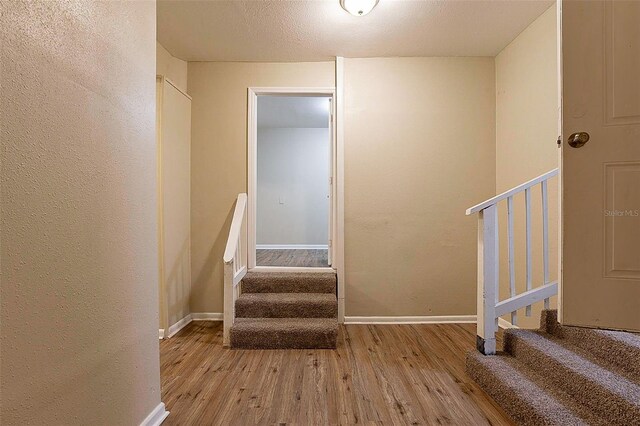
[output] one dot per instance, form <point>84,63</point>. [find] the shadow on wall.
<point>212,271</point>
<point>178,285</point>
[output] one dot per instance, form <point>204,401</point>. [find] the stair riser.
<point>590,393</point>
<point>285,310</point>
<point>288,286</point>
<point>609,350</point>
<point>283,340</point>
<point>289,283</point>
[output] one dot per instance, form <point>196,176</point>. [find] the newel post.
<point>488,270</point>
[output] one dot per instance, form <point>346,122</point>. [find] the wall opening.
<point>293,176</point>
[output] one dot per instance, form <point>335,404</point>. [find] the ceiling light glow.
<point>358,7</point>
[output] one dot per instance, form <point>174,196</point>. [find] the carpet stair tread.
<point>289,282</point>
<point>286,305</point>
<point>284,333</point>
<point>525,395</point>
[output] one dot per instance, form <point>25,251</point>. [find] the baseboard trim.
<point>178,326</point>
<point>291,269</point>
<point>291,247</point>
<point>446,319</point>
<point>156,417</point>
<point>161,333</point>
<point>207,316</point>
<point>504,324</point>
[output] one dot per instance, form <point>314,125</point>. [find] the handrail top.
<point>236,226</point>
<point>511,192</point>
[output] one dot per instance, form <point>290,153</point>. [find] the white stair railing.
<point>235,263</point>
<point>490,308</point>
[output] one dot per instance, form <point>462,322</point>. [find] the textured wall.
<point>219,156</point>
<point>419,150</point>
<point>526,132</point>
<point>79,259</point>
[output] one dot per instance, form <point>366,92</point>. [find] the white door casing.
<point>252,143</point>
<point>331,186</point>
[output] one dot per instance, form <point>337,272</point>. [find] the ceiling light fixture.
<point>358,7</point>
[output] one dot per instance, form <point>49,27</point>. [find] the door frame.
<point>252,176</point>
<point>560,148</point>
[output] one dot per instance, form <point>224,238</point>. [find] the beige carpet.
<point>286,311</point>
<point>563,375</point>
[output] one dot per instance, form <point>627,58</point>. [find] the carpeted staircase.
<point>562,375</point>
<point>292,310</point>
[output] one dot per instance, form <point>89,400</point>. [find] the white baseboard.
<point>292,246</point>
<point>178,326</point>
<point>446,319</point>
<point>161,333</point>
<point>156,417</point>
<point>291,269</point>
<point>207,316</point>
<point>198,316</point>
<point>503,323</point>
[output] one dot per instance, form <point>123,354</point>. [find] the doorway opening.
<point>291,193</point>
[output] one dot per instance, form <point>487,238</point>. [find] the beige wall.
<point>219,156</point>
<point>425,138</point>
<point>526,131</point>
<point>419,150</point>
<point>175,195</point>
<point>171,67</point>
<point>78,213</point>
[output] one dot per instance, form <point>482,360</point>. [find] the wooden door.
<point>600,51</point>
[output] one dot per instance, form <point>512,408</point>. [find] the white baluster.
<point>512,264</point>
<point>527,202</point>
<point>545,236</point>
<point>237,259</point>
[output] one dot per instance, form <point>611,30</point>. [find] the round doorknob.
<point>578,140</point>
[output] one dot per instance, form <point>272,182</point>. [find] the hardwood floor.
<point>300,258</point>
<point>380,374</point>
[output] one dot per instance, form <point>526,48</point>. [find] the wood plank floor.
<point>380,374</point>
<point>313,258</point>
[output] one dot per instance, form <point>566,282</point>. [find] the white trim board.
<point>337,258</point>
<point>156,417</point>
<point>196,316</point>
<point>446,319</point>
<point>291,269</point>
<point>292,247</point>
<point>161,333</point>
<point>178,326</point>
<point>504,324</point>
<point>252,150</point>
<point>207,316</point>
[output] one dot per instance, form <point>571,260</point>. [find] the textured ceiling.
<point>285,30</point>
<point>293,111</point>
